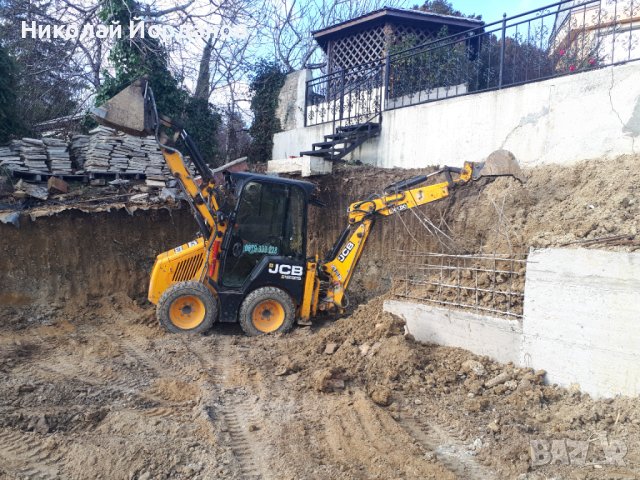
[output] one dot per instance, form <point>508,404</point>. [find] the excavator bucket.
<point>499,163</point>
<point>129,111</point>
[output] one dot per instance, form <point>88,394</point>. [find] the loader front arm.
<point>399,197</point>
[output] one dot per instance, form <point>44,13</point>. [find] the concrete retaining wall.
<point>542,122</point>
<point>494,337</point>
<point>581,321</point>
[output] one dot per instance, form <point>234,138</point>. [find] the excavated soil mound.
<point>106,393</point>
<point>475,413</point>
<point>93,388</point>
<point>556,206</point>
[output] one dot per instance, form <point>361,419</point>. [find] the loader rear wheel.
<point>267,310</point>
<point>187,307</point>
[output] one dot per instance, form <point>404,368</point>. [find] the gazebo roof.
<point>385,14</point>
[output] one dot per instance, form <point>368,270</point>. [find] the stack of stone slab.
<point>156,169</point>
<point>58,159</point>
<point>116,152</point>
<point>79,146</point>
<point>10,157</point>
<point>98,154</point>
<point>33,155</point>
<point>37,156</point>
<point>104,151</point>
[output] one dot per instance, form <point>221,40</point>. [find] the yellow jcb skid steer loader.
<point>251,264</point>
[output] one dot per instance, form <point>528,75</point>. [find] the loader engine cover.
<point>179,264</point>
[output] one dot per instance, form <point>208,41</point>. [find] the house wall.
<point>290,110</point>
<point>587,31</point>
<point>580,321</point>
<point>594,114</point>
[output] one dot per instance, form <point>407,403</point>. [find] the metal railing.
<point>490,283</point>
<point>345,97</point>
<point>563,38</point>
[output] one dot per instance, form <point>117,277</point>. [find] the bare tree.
<point>290,23</point>
<point>212,63</point>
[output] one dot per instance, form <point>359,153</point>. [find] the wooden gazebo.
<point>368,38</point>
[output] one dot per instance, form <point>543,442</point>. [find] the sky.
<point>492,10</point>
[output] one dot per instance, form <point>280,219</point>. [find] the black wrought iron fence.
<point>563,38</point>
<point>346,97</point>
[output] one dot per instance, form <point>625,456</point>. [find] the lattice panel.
<point>363,47</point>
<point>420,35</point>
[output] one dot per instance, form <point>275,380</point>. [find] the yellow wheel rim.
<point>268,316</point>
<point>187,312</point>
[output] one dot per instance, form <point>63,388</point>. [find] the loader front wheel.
<point>187,307</point>
<point>267,310</point>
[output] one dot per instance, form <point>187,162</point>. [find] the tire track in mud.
<point>24,455</point>
<point>367,439</point>
<point>129,375</point>
<point>237,412</point>
<point>449,451</point>
<point>135,369</point>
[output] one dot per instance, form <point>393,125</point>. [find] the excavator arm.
<point>399,197</point>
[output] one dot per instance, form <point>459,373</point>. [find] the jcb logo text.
<point>346,251</point>
<point>283,269</point>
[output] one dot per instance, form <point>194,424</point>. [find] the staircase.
<point>344,141</point>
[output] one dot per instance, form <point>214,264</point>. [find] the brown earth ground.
<point>91,387</point>
<point>103,392</point>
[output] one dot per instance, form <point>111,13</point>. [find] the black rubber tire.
<point>178,290</point>
<point>259,295</point>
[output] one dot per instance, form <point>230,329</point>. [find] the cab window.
<point>269,220</point>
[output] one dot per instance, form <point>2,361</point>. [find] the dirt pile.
<point>103,392</point>
<point>484,411</point>
<point>107,394</point>
<point>556,206</point>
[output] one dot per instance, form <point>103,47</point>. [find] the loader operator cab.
<point>265,243</point>
<point>270,219</point>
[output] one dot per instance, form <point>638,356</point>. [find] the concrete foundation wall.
<point>581,322</point>
<point>582,319</point>
<point>291,142</point>
<point>493,337</point>
<point>541,122</point>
